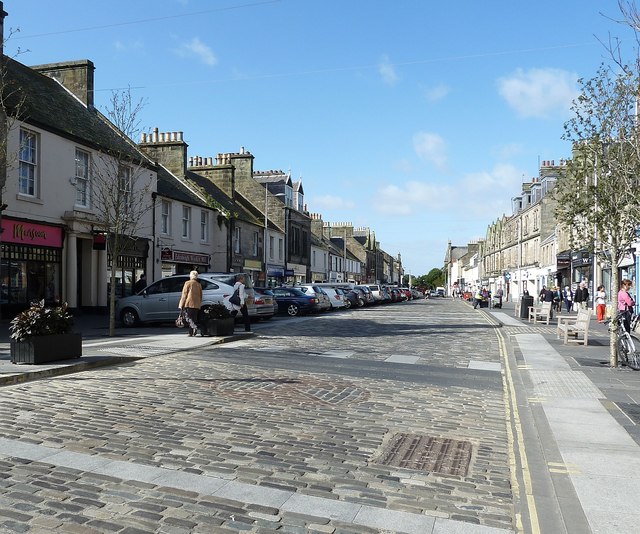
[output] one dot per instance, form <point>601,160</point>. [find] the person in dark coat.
<point>140,284</point>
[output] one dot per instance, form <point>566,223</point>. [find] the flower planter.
<point>44,349</point>
<point>218,327</point>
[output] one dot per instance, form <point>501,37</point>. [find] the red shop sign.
<point>27,233</point>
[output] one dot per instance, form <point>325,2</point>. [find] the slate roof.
<point>240,208</point>
<point>172,187</point>
<point>48,105</point>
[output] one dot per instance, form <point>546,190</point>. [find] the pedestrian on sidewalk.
<point>626,303</point>
<point>581,298</point>
<point>242,307</point>
<point>140,284</point>
<point>478,298</point>
<point>601,303</point>
<point>191,301</point>
<point>568,298</point>
<point>557,299</point>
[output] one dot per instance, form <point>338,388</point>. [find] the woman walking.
<point>568,298</point>
<point>601,303</point>
<point>242,307</point>
<point>190,302</point>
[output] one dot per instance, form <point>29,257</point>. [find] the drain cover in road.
<point>424,453</point>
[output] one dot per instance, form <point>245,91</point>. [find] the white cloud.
<point>387,71</point>
<point>475,195</point>
<point>331,202</point>
<point>433,94</point>
<point>539,93</point>
<point>196,48</point>
<point>431,147</point>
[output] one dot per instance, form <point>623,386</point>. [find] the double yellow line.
<point>517,450</point>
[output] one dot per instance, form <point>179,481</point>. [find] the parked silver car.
<point>324,304</point>
<point>159,301</point>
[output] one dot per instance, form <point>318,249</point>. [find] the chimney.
<point>167,148</point>
<point>76,76</point>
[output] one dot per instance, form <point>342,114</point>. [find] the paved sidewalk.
<point>99,349</point>
<point>589,414</point>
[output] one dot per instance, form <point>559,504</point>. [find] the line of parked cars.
<point>158,302</point>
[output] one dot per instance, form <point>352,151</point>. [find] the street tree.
<point>120,190</point>
<point>598,198</point>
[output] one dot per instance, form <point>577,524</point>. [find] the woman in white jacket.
<point>242,307</point>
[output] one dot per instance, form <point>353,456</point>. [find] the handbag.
<point>235,298</point>
<point>180,323</point>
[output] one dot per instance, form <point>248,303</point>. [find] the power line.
<point>360,67</point>
<point>142,21</point>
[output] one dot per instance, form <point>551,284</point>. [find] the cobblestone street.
<point>375,419</point>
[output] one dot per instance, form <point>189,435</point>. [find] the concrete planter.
<point>218,327</point>
<point>44,349</point>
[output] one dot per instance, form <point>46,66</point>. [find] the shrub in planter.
<point>41,334</point>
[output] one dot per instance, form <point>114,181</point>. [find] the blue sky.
<point>419,119</point>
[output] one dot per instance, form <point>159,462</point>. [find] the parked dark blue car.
<point>294,301</point>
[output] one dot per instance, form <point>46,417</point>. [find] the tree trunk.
<point>615,284</point>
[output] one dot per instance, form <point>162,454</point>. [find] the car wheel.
<point>129,317</point>
<point>360,303</point>
<point>293,310</point>
<point>347,303</point>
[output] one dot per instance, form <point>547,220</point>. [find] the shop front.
<point>30,264</point>
<point>129,265</point>
<point>183,262</point>
<point>254,269</point>
<point>298,273</point>
<point>275,276</point>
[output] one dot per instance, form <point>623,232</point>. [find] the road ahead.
<point>391,419</point>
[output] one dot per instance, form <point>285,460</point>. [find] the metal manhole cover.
<point>589,362</point>
<point>289,390</point>
<point>424,453</point>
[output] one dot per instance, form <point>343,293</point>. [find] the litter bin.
<point>524,306</point>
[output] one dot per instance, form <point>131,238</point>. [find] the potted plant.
<point>216,321</point>
<point>40,335</point>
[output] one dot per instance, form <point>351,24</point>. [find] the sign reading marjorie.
<point>27,233</point>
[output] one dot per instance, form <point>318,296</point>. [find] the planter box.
<point>44,349</point>
<point>218,327</point>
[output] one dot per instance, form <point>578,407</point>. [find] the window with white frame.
<point>28,163</point>
<point>255,243</point>
<point>272,242</point>
<point>236,240</point>
<point>165,217</point>
<point>124,185</point>
<point>204,226</point>
<point>280,249</point>
<point>186,222</point>
<point>82,178</point>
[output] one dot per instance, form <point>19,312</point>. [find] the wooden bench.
<point>541,313</point>
<point>575,326</point>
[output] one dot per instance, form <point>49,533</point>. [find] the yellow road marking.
<point>511,406</point>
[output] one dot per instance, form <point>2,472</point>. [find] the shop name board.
<point>31,233</point>
<point>184,257</point>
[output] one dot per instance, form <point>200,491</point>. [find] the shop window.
<point>28,164</point>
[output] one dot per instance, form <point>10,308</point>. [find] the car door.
<point>154,305</point>
<point>173,285</point>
